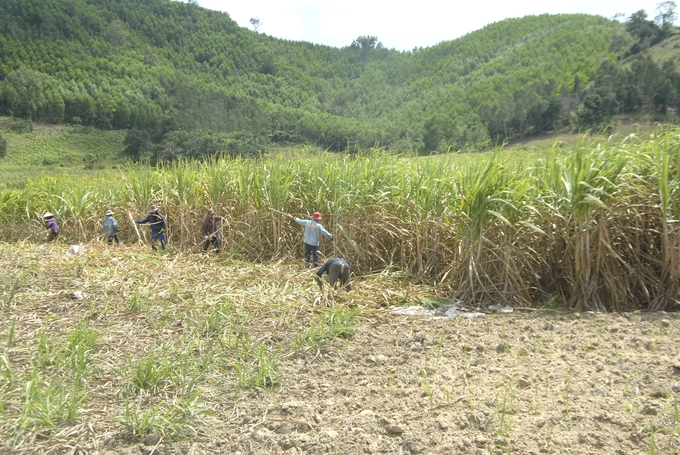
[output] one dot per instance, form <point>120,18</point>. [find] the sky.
<point>401,25</point>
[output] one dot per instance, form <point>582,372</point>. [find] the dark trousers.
<point>161,238</point>
<point>53,236</point>
<point>338,273</point>
<point>112,238</point>
<point>216,243</point>
<point>311,250</point>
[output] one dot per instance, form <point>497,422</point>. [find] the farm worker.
<point>338,274</point>
<point>210,232</point>
<point>110,228</point>
<point>313,230</point>
<point>158,225</point>
<point>51,226</point>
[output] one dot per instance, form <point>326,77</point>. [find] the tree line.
<point>188,82</point>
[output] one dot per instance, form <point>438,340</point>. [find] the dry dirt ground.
<point>524,383</point>
<point>529,382</point>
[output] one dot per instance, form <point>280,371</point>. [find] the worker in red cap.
<point>313,230</point>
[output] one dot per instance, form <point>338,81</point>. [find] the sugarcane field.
<point>323,303</point>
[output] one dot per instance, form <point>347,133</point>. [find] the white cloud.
<point>400,25</point>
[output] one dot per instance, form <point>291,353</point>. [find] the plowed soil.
<point>525,383</point>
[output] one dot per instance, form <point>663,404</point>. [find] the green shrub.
<point>3,147</point>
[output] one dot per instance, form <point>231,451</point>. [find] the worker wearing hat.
<point>110,228</point>
<point>210,231</point>
<point>158,225</point>
<point>51,226</point>
<point>313,230</point>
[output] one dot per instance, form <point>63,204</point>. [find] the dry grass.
<point>186,353</point>
<point>161,344</point>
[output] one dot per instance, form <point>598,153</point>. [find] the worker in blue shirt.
<point>111,228</point>
<point>313,230</point>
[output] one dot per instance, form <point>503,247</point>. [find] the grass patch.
<point>158,341</point>
<point>340,323</point>
<point>55,149</point>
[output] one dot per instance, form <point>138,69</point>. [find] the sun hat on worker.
<point>316,216</point>
<point>47,215</point>
<point>109,212</point>
<point>153,209</point>
<point>211,212</point>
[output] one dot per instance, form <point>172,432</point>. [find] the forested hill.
<point>188,81</point>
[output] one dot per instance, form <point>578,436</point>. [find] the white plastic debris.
<point>74,250</point>
<point>443,309</point>
<point>471,315</point>
<point>451,311</point>
<point>77,295</point>
<point>454,312</point>
<point>412,311</point>
<point>500,309</point>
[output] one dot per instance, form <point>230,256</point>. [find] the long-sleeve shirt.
<point>313,230</point>
<point>52,225</point>
<point>110,225</point>
<point>156,222</point>
<point>209,226</point>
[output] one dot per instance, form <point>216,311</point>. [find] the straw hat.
<point>47,215</point>
<point>109,212</point>
<point>316,216</point>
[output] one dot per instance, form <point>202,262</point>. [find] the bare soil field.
<point>197,354</point>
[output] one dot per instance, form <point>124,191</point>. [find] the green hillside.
<point>668,49</point>
<point>61,145</point>
<point>55,149</point>
<point>188,81</point>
